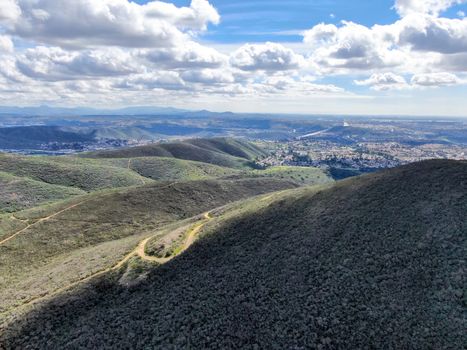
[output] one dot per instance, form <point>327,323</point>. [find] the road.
<point>313,134</point>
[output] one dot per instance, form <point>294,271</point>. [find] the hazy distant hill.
<point>60,111</point>
<point>371,262</point>
<point>33,136</point>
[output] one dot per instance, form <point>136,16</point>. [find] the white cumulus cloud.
<point>208,76</point>
<point>9,11</point>
<point>189,55</point>
<point>427,33</point>
<point>265,57</point>
<point>433,7</point>
<point>84,23</point>
<point>352,46</point>
<point>195,17</point>
<point>435,79</point>
<point>54,64</point>
<point>383,81</point>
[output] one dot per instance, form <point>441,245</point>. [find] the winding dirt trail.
<point>35,223</point>
<point>264,199</point>
<point>138,251</point>
<point>190,238</point>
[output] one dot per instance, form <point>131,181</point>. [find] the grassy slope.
<point>153,161</point>
<point>18,193</point>
<point>300,175</point>
<point>105,217</point>
<point>168,169</point>
<point>222,152</point>
<point>8,224</point>
<point>376,261</point>
<point>160,168</point>
<point>77,174</point>
<point>235,147</point>
<point>85,174</point>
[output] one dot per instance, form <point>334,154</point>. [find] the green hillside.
<point>371,262</point>
<point>72,175</point>
<point>300,175</point>
<point>93,232</point>
<point>167,169</point>
<point>234,147</point>
<point>84,174</point>
<point>222,152</point>
<point>18,193</point>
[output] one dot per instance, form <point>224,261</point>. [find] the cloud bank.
<point>86,51</point>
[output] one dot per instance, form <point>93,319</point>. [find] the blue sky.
<point>323,56</point>
<point>270,20</point>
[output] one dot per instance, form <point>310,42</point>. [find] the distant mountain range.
<point>49,111</point>
<point>62,111</point>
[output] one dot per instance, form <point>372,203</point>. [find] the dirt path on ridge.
<point>35,223</point>
<point>138,251</point>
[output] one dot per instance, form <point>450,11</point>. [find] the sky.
<point>384,57</point>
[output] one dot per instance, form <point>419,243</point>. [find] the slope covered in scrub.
<point>84,174</point>
<point>47,247</point>
<point>168,169</point>
<point>17,193</point>
<point>218,151</point>
<point>371,262</point>
<point>234,147</point>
